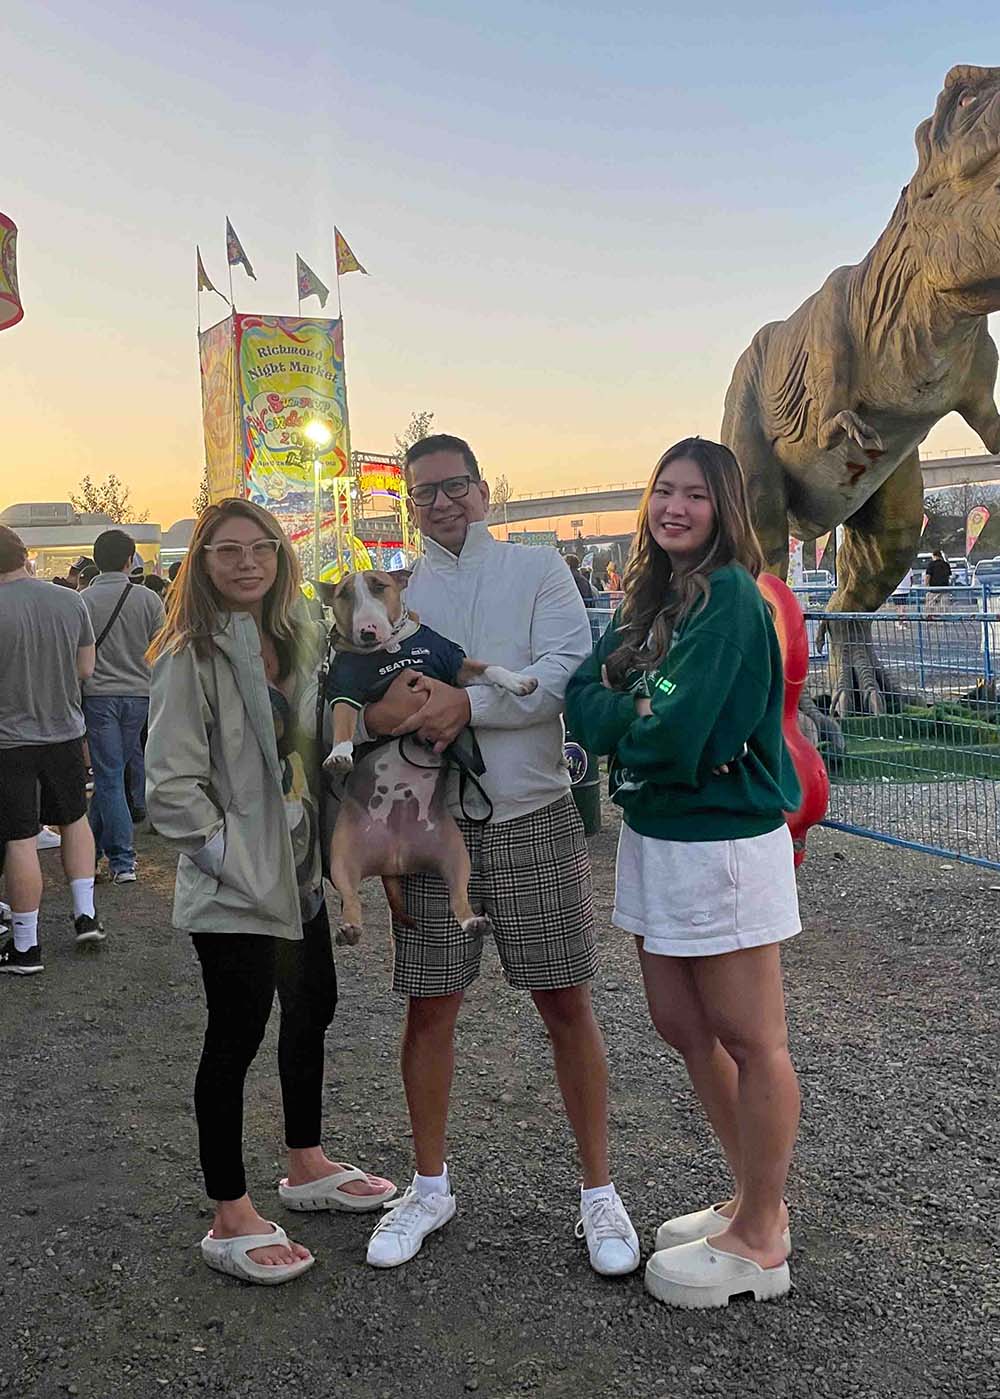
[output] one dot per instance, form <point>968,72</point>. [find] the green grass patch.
<point>919,744</point>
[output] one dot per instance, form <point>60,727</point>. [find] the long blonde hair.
<point>194,607</point>
<point>655,601</point>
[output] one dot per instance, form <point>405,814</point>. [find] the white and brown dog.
<point>393,817</point>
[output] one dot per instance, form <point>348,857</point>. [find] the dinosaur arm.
<point>978,407</point>
<point>832,355</point>
<point>831,361</point>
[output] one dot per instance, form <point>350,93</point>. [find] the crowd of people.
<point>683,694</point>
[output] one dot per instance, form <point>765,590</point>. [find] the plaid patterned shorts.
<point>532,877</point>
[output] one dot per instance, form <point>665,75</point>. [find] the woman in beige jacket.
<point>232,779</point>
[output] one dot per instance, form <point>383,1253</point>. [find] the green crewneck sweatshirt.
<point>720,689</point>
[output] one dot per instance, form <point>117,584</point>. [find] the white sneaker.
<point>47,840</point>
<point>612,1243</point>
<point>408,1221</point>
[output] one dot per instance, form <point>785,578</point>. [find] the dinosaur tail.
<point>393,887</point>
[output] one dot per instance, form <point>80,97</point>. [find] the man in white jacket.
<point>517,607</point>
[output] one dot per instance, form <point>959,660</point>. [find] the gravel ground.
<point>893,991</point>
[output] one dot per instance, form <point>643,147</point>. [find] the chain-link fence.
<point>924,773</point>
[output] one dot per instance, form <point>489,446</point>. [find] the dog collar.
<point>392,645</point>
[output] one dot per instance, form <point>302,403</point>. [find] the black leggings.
<point>241,972</point>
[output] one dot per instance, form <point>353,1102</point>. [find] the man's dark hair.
<point>174,569</point>
<point>13,554</point>
<point>572,561</point>
<point>441,442</point>
<point>155,584</point>
<point>937,554</point>
<point>113,551</point>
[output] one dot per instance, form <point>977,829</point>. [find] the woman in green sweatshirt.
<point>684,693</point>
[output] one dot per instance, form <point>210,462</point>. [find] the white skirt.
<point>700,898</point>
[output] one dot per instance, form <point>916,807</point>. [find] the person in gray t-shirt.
<point>125,617</point>
<point>41,629</point>
<point>47,645</point>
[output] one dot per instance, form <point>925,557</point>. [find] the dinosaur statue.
<point>826,410</point>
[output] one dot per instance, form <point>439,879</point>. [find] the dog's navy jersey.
<point>359,679</point>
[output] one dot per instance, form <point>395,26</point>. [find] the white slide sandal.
<point>328,1193</point>
<point>687,1228</point>
<point>230,1256</point>
<point>698,1275</point>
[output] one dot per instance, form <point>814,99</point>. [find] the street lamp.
<point>319,435</point>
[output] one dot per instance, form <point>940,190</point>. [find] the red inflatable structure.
<point>791,628</point>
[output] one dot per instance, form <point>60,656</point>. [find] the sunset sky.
<point>575,216</point>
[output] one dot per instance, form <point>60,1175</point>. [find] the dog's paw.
<point>510,680</point>
<point>479,925</point>
<point>340,758</point>
<point>348,935</point>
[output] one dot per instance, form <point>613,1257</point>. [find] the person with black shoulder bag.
<point>116,697</point>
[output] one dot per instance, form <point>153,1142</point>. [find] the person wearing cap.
<point>75,570</point>
<point>116,696</point>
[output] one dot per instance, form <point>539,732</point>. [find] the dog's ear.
<point>401,576</point>
<point>325,591</point>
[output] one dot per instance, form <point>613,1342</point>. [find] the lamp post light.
<point>319,435</point>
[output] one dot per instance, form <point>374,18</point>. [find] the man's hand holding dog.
<point>399,702</point>
<point>445,712</point>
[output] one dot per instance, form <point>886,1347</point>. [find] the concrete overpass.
<point>952,469</point>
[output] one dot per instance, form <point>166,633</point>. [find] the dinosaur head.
<point>953,201</point>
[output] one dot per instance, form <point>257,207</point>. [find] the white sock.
<point>432,1185</point>
<point>26,931</point>
<point>598,1192</point>
<point>83,896</point>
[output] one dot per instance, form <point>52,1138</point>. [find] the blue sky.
<point>575,216</point>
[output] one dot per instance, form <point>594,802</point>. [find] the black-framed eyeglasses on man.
<point>454,487</point>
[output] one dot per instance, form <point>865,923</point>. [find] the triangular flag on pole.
<point>204,280</point>
<point>235,255</point>
<point>309,283</point>
<point>346,261</point>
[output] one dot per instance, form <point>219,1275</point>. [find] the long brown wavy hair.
<point>195,610</point>
<point>656,602</point>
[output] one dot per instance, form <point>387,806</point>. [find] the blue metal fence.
<point>925,773</point>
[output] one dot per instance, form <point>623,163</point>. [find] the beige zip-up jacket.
<point>214,783</point>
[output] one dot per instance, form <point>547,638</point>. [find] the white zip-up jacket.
<point>513,605</point>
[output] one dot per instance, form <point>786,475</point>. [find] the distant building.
<point>55,535</point>
<point>174,544</point>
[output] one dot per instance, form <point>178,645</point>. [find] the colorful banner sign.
<point>11,309</point>
<point>975,523</point>
<point>924,525</point>
<point>794,562</point>
<point>379,476</point>
<point>223,455</point>
<point>821,542</point>
<point>289,382</point>
<point>290,374</point>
